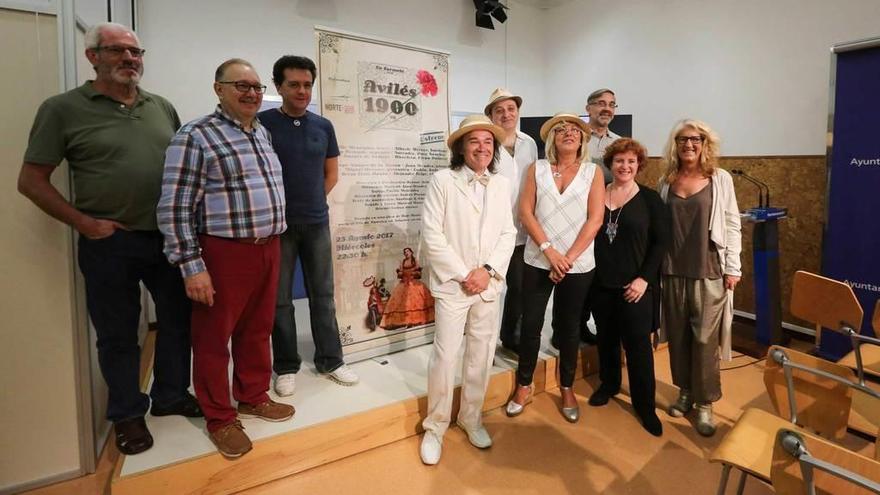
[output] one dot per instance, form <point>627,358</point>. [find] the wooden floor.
<point>539,453</point>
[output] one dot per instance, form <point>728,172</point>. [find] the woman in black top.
<point>629,249</point>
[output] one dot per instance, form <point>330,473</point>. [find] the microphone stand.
<point>763,188</point>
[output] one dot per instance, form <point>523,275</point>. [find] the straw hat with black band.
<point>475,122</point>
<point>563,117</point>
<point>501,94</point>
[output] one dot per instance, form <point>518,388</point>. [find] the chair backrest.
<point>787,475</point>
<point>825,302</point>
<point>821,404</point>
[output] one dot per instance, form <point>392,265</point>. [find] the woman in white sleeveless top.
<point>561,207</point>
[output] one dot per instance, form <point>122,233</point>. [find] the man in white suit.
<point>468,236</point>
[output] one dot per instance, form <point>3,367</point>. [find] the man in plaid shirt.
<point>221,211</point>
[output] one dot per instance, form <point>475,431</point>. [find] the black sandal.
<point>132,436</point>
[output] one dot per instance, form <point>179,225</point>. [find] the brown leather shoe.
<point>269,411</point>
<point>231,440</point>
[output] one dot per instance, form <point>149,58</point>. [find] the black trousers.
<point>511,317</point>
<point>569,296</point>
<point>113,268</point>
<point>619,322</point>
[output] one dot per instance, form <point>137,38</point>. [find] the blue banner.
<point>851,244</point>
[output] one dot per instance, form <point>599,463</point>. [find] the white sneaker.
<point>285,384</point>
<point>343,375</point>
<point>478,436</point>
<point>431,449</point>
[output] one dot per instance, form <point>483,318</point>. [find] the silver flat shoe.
<point>514,409</point>
<point>571,414</point>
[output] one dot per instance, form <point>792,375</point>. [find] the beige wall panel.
<point>38,405</point>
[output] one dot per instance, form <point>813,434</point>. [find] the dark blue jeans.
<point>112,268</point>
<point>311,242</point>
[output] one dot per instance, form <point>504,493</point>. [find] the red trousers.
<point>245,278</point>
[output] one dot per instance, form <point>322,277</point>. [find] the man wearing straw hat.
<point>517,152</point>
<point>468,236</point>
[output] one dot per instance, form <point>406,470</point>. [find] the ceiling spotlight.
<point>486,10</point>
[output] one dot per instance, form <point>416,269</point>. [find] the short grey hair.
<point>93,35</point>
<point>598,93</point>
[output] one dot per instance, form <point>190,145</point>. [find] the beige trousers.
<point>692,311</point>
<point>476,322</point>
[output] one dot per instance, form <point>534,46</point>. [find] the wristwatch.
<point>545,246</point>
<point>491,270</point>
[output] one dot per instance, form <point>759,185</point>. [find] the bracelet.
<point>545,246</point>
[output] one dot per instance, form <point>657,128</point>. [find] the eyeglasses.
<point>568,129</point>
<point>244,87</point>
<point>604,104</point>
<point>120,50</point>
<point>682,140</point>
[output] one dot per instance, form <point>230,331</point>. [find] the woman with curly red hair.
<point>626,296</point>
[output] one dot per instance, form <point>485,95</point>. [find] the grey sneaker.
<point>705,422</point>
<point>681,406</point>
<point>285,384</point>
<point>343,375</point>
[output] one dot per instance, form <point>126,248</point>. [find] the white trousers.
<point>476,322</point>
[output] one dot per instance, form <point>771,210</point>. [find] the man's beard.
<point>122,78</point>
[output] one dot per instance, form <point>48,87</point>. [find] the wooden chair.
<point>813,394</point>
<point>805,463</point>
<point>832,304</point>
<point>820,403</point>
<point>824,302</point>
<point>869,349</point>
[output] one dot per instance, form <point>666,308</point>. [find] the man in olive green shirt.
<point>113,135</point>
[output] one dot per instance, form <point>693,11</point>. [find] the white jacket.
<point>453,240</point>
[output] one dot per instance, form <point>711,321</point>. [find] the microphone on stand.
<point>763,188</point>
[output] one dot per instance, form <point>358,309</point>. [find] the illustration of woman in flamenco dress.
<point>411,302</point>
<point>375,302</point>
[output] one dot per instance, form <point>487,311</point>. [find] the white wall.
<point>755,70</point>
<point>186,41</point>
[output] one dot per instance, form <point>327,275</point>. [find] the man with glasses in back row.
<point>222,212</point>
<point>601,106</point>
<point>113,135</point>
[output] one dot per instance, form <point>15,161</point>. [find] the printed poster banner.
<point>852,232</point>
<point>389,104</point>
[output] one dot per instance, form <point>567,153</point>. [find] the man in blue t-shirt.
<point>306,145</point>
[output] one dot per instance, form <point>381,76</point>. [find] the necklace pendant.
<point>296,122</point>
<point>557,174</point>
<point>611,231</point>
